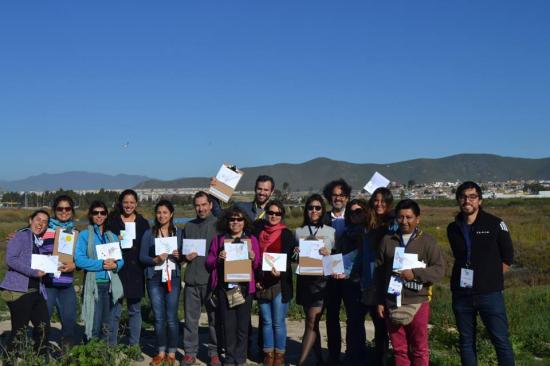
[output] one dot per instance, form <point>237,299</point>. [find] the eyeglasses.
<point>236,219</point>
<point>341,195</point>
<point>314,208</point>
<point>469,197</point>
<point>96,213</point>
<point>63,209</point>
<point>274,213</point>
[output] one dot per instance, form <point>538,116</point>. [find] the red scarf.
<point>270,238</point>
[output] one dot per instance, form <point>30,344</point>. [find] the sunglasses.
<point>63,209</point>
<point>357,211</point>
<point>236,219</point>
<point>274,213</point>
<point>96,213</point>
<point>314,208</point>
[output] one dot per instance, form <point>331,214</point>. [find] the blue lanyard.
<point>467,233</point>
<point>101,237</point>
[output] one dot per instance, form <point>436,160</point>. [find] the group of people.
<point>371,232</point>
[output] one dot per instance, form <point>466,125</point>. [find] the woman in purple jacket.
<point>22,287</point>
<point>234,226</point>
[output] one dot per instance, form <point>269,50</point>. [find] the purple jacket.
<point>18,259</point>
<point>212,262</point>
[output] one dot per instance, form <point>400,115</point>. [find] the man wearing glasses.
<point>337,193</point>
<point>483,252</point>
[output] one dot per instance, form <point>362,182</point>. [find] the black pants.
<point>381,338</point>
<point>30,307</point>
<point>236,322</point>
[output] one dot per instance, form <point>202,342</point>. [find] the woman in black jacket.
<point>274,288</point>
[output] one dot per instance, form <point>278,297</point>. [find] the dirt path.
<point>295,331</point>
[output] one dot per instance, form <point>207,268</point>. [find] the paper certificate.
<point>126,242</point>
<point>235,251</point>
<point>45,263</point>
<point>130,230</point>
<point>194,246</point>
<point>277,260</point>
<point>377,181</point>
<point>109,251</point>
<point>402,260</point>
<point>333,264</point>
<point>310,248</point>
<point>349,260</point>
<point>229,177</point>
<point>66,243</point>
<point>166,245</point>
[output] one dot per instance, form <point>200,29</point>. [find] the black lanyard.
<point>311,233</point>
<point>467,233</point>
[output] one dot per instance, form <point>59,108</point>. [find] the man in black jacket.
<point>483,252</point>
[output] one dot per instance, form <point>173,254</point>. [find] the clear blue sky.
<point>191,84</point>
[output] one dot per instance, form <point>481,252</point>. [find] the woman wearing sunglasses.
<point>22,287</point>
<point>132,274</point>
<point>234,225</point>
<point>274,288</point>
<point>163,282</point>
<point>102,286</point>
<point>311,290</point>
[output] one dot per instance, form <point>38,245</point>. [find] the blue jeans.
<point>274,323</point>
<point>64,299</point>
<point>492,311</point>
<point>104,310</point>
<point>134,321</point>
<point>165,309</point>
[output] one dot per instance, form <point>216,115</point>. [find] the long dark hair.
<point>223,222</point>
<point>314,197</point>
<point>63,197</point>
<point>156,226</point>
<point>376,221</point>
<point>93,206</point>
<point>121,196</point>
<point>364,206</point>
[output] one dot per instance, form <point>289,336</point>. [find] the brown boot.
<point>269,358</point>
<point>279,359</point>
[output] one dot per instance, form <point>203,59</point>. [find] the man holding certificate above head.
<point>483,252</point>
<point>409,262</point>
<point>197,236</point>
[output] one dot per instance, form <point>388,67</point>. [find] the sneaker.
<point>215,361</point>
<point>158,360</point>
<point>189,360</point>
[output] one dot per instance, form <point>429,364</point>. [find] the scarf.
<point>54,223</point>
<point>90,285</point>
<point>271,235</point>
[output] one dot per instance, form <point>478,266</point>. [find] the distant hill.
<point>73,180</point>
<point>315,173</point>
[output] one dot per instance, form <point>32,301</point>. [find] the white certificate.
<point>194,246</point>
<point>402,260</point>
<point>126,242</point>
<point>236,251</point>
<point>333,264</point>
<point>109,251</point>
<point>130,230</point>
<point>277,260</point>
<point>166,245</point>
<point>45,263</point>
<point>310,248</point>
<point>228,176</point>
<point>65,243</point>
<point>377,181</point>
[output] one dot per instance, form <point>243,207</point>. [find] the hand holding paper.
<point>377,181</point>
<point>274,260</point>
<point>109,251</point>
<point>45,263</point>
<point>166,245</point>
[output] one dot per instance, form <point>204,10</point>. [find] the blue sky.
<point>191,84</point>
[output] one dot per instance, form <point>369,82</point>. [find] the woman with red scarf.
<point>274,288</point>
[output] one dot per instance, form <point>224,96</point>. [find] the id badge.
<point>466,278</point>
<point>395,286</point>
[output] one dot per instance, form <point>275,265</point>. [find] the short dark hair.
<point>356,201</point>
<point>93,206</point>
<point>123,194</point>
<point>407,204</point>
<point>265,178</point>
<point>37,212</point>
<point>314,197</point>
<point>387,196</point>
<point>223,222</point>
<point>327,191</point>
<point>279,205</point>
<point>156,226</point>
<point>468,185</point>
<point>202,194</point>
<point>62,197</point>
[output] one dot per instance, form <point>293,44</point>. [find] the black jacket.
<point>491,247</point>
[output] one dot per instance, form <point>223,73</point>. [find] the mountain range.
<point>313,174</point>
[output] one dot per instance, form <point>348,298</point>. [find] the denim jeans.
<point>63,298</point>
<point>104,310</point>
<point>165,310</point>
<point>134,321</point>
<point>492,311</point>
<point>274,323</point>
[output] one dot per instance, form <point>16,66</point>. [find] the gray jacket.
<point>195,272</point>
